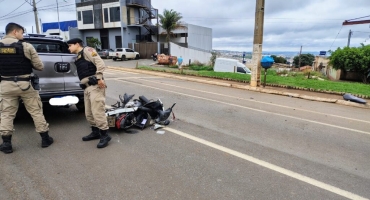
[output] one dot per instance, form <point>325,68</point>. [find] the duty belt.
<point>15,79</point>
<point>84,86</point>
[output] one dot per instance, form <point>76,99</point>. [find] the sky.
<point>316,25</point>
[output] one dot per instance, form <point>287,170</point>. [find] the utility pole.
<point>36,17</point>
<point>58,17</point>
<point>257,43</point>
<point>349,37</point>
<point>299,61</point>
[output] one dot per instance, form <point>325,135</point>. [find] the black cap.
<point>74,41</point>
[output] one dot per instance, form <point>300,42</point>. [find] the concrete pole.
<point>257,43</point>
<point>36,17</point>
<point>58,18</point>
<point>121,4</point>
<point>299,60</point>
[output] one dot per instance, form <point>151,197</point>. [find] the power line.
<point>29,11</point>
<point>336,37</point>
<point>358,18</point>
<point>13,10</point>
<point>16,15</point>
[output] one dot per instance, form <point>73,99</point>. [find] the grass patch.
<point>293,79</point>
<point>200,68</point>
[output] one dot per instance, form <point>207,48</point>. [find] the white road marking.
<point>270,166</point>
<point>254,109</point>
<point>255,101</point>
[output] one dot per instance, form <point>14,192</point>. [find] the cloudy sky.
<point>288,24</point>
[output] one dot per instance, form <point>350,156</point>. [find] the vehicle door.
<point>130,53</point>
<point>240,70</point>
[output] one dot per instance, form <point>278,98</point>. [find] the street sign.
<point>322,53</point>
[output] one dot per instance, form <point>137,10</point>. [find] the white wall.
<point>63,34</point>
<point>199,37</point>
<point>186,54</point>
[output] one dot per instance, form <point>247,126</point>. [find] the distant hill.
<point>277,53</point>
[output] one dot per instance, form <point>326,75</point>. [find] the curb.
<point>247,87</point>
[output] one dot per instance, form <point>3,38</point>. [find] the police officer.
<point>17,61</point>
<point>90,69</point>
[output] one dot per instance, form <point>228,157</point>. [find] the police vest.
<point>13,62</point>
<point>84,68</point>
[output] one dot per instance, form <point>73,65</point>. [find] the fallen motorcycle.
<point>140,113</point>
<point>155,56</point>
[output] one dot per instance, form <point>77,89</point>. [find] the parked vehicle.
<point>155,56</point>
<point>123,54</point>
<point>230,65</point>
<point>104,53</point>
<point>139,113</point>
<point>59,78</point>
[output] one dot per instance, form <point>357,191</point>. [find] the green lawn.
<point>294,80</point>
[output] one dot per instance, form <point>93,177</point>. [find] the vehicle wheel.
<point>137,57</point>
<point>80,106</point>
<point>123,57</point>
<point>114,59</point>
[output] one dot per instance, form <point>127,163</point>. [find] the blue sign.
<point>322,53</point>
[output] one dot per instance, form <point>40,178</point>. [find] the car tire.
<point>114,59</point>
<point>137,57</point>
<point>123,57</point>
<point>80,106</point>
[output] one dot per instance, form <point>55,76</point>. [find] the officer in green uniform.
<point>90,69</point>
<point>17,61</point>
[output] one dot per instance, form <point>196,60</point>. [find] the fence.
<point>145,49</point>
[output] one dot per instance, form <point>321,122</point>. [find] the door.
<point>130,53</point>
<point>104,43</point>
<point>118,42</point>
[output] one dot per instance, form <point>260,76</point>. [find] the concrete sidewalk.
<point>302,94</point>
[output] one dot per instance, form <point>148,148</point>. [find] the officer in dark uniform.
<point>17,61</point>
<point>90,69</point>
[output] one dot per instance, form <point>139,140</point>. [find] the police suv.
<point>59,82</point>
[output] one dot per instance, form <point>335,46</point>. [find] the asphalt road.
<point>224,143</point>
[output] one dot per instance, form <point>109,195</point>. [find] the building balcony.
<point>138,3</point>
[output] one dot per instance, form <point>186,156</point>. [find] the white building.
<point>60,29</point>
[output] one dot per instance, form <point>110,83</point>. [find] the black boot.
<point>6,146</point>
<point>104,139</point>
<point>93,135</point>
<point>46,139</point>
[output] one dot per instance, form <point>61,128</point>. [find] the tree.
<point>170,21</point>
<point>212,60</point>
<point>352,58</point>
<point>306,59</point>
<point>93,42</point>
<point>279,59</point>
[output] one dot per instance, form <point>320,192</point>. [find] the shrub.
<point>201,68</point>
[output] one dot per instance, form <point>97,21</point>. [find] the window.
<point>129,50</point>
<point>79,15</point>
<point>89,42</point>
<point>49,47</point>
<point>106,19</point>
<point>114,14</point>
<point>87,17</point>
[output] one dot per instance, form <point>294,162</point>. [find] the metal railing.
<point>143,3</point>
